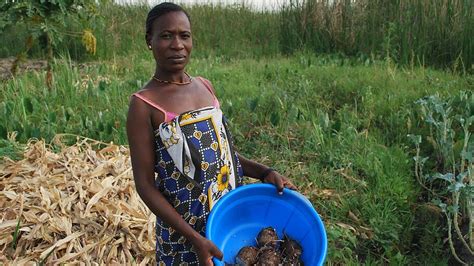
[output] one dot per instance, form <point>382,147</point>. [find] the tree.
<point>46,20</point>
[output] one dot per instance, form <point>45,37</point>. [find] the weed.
<point>453,164</point>
<point>16,235</point>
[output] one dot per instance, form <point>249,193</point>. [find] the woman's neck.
<point>178,76</point>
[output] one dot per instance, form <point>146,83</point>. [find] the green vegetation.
<point>450,178</point>
<point>45,22</point>
<point>336,125</point>
<point>430,32</point>
<point>437,33</point>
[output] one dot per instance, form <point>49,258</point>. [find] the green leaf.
<point>460,177</point>
<point>336,125</point>
<point>275,118</point>
<point>69,113</point>
<point>293,114</point>
<point>35,133</point>
<point>440,204</point>
<point>28,105</point>
<point>467,155</point>
<point>109,127</point>
<point>456,187</point>
<point>3,108</point>
<point>102,85</point>
<point>15,235</point>
<point>101,126</point>
<point>416,139</point>
<point>453,209</point>
<point>253,103</point>
<point>8,109</point>
<point>448,177</point>
<point>423,160</point>
<point>52,117</point>
<point>3,132</point>
<point>324,120</point>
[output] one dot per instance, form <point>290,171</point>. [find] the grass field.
<point>337,125</point>
<point>364,29</point>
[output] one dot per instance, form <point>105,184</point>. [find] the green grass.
<point>328,122</point>
<point>442,36</point>
<point>384,28</point>
<point>10,149</point>
<point>336,125</point>
<point>287,92</point>
<point>15,235</point>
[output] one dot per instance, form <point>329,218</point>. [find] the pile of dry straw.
<point>77,204</point>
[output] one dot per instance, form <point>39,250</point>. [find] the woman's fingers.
<point>209,262</point>
<point>217,253</point>
<point>206,250</point>
<point>290,185</point>
<point>278,182</point>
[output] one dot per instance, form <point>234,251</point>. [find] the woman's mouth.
<point>177,59</point>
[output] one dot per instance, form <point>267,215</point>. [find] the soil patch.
<point>23,66</point>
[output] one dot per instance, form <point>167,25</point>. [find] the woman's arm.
<point>265,174</point>
<point>141,142</point>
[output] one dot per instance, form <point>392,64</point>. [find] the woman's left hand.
<point>279,181</point>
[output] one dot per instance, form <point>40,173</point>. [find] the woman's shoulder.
<point>206,83</point>
<point>145,90</point>
<point>143,99</point>
<point>201,77</point>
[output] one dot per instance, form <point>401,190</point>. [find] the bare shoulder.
<point>137,105</point>
<point>207,83</point>
<point>144,107</point>
<point>138,121</point>
<point>139,109</point>
<point>204,80</point>
<point>146,90</point>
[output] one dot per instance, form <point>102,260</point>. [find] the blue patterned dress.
<point>195,166</point>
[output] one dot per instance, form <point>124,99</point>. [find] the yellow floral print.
<point>223,178</point>
<point>186,116</point>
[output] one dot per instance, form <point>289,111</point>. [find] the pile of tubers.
<point>270,250</point>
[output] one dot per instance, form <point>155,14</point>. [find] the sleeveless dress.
<point>195,165</point>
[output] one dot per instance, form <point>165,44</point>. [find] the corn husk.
<point>74,204</point>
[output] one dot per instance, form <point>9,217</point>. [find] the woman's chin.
<point>176,68</point>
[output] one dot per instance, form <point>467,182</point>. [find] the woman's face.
<point>171,41</point>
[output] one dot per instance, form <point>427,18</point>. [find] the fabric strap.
<point>171,115</point>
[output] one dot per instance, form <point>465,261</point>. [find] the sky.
<point>256,4</point>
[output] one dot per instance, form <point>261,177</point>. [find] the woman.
<point>176,129</point>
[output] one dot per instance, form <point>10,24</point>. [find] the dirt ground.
<point>25,65</point>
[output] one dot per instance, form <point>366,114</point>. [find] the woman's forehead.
<point>175,20</point>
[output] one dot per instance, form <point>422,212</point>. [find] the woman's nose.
<point>177,43</point>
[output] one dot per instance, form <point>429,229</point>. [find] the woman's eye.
<point>166,36</point>
<point>185,36</point>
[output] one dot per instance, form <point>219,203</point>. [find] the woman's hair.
<point>160,10</point>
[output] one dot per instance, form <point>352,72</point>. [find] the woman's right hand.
<point>205,250</point>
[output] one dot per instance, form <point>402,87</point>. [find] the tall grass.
<point>234,31</point>
<point>408,32</point>
<point>336,125</point>
<point>337,128</point>
<point>91,99</point>
<point>430,32</point>
<point>218,30</point>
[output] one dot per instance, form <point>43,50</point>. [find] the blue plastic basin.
<point>238,217</point>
